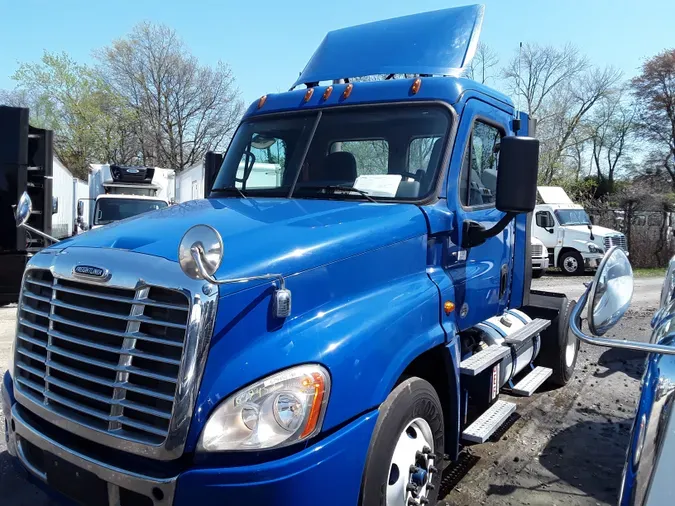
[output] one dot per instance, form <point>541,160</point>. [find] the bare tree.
<point>182,109</point>
<point>610,129</point>
<point>537,72</point>
<point>654,91</point>
<point>483,65</point>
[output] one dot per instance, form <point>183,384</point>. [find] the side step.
<point>477,363</point>
<point>531,382</point>
<point>481,430</point>
<point>527,331</point>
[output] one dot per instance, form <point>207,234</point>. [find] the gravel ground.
<point>567,447</point>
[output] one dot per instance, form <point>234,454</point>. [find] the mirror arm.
<point>575,327</point>
<point>474,234</point>
<point>39,232</point>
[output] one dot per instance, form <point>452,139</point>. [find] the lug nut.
<point>411,488</point>
<point>430,486</point>
<point>426,450</point>
<point>414,469</point>
<point>432,469</point>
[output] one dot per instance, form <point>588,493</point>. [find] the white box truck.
<point>117,192</point>
<point>573,242</point>
<point>67,190</point>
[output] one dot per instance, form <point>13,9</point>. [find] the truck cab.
<point>333,332</point>
<point>573,242</point>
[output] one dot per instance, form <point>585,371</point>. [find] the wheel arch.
<point>438,366</point>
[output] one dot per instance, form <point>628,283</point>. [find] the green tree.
<point>89,120</point>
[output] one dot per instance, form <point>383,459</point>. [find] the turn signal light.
<point>448,307</point>
<point>308,94</point>
<point>262,101</point>
<point>327,93</point>
<point>416,86</point>
<point>348,91</point>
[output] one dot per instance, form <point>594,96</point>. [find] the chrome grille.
<point>108,358</point>
<point>616,240</point>
<point>537,250</point>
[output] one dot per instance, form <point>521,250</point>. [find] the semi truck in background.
<point>573,243</point>
<point>117,192</point>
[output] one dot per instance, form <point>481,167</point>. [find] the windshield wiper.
<point>230,188</point>
<point>339,188</point>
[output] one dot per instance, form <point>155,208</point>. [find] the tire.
<point>411,401</point>
<point>571,263</point>
<point>555,352</point>
<point>537,273</point>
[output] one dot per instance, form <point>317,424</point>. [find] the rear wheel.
<point>572,263</point>
<point>402,469</point>
<point>560,347</point>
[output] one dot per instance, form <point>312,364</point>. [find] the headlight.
<point>595,249</point>
<point>277,411</point>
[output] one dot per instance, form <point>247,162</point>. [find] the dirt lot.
<point>567,447</point>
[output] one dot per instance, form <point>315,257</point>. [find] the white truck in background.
<point>117,192</point>
<point>573,242</point>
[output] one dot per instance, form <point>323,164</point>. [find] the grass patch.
<point>649,273</point>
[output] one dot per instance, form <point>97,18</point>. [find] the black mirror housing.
<point>517,174</point>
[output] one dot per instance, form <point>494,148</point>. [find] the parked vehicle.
<point>120,192</point>
<point>334,332</point>
<point>67,192</point>
<point>572,241</point>
<point>539,258</point>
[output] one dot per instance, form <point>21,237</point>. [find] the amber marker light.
<point>348,91</point>
<point>416,86</point>
<point>308,94</point>
<point>319,390</point>
<point>262,101</point>
<point>448,307</point>
<point>327,93</point>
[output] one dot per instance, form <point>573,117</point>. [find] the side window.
<point>372,156</point>
<point>265,162</point>
<point>479,171</point>
<point>544,219</point>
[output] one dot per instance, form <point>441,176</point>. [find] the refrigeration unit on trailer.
<point>332,333</point>
<point>117,192</point>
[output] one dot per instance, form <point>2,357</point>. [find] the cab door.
<point>481,274</point>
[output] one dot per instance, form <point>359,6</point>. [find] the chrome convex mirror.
<point>23,210</point>
<point>611,292</point>
<point>608,298</point>
<point>21,214</point>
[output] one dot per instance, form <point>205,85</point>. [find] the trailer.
<point>67,191</point>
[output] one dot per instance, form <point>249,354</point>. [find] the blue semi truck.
<point>333,335</point>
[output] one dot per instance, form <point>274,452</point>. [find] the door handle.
<point>503,278</point>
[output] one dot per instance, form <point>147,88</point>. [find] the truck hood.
<point>597,230</point>
<point>261,236</point>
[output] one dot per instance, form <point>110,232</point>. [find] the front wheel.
<point>572,263</point>
<point>403,465</point>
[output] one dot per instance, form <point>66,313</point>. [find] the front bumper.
<point>592,260</point>
<point>307,477</point>
<point>540,263</point>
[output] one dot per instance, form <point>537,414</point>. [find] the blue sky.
<point>268,42</point>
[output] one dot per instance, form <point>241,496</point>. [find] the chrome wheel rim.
<point>570,349</point>
<point>412,465</point>
<point>570,264</point>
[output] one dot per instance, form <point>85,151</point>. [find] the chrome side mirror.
<point>609,295</point>
<point>611,292</point>
<point>22,213</point>
<point>23,210</point>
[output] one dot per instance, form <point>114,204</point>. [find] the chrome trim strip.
<point>113,475</point>
<point>147,271</point>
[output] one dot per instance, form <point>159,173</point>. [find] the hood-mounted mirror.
<point>23,210</point>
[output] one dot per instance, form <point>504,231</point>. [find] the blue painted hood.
<point>438,43</point>
<point>265,235</point>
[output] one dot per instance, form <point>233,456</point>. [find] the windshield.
<point>375,152</point>
<point>572,217</point>
<point>109,210</point>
